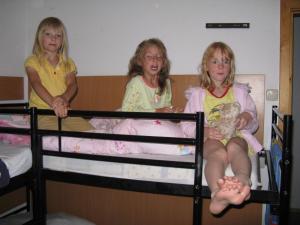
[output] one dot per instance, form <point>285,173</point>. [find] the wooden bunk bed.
<point>20,159</point>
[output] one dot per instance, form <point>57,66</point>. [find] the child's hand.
<point>242,120</point>
<point>170,109</point>
<point>61,111</point>
<point>212,133</point>
<point>60,106</point>
<point>177,109</point>
<point>164,110</point>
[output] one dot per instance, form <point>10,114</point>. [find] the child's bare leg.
<point>234,190</point>
<point>216,163</point>
<point>237,149</point>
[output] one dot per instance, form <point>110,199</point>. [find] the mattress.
<point>17,158</point>
<point>137,171</point>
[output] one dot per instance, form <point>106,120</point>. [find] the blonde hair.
<point>135,68</point>
<point>56,24</point>
<point>205,80</point>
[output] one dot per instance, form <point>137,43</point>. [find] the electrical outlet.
<point>272,95</point>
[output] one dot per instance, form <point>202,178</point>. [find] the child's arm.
<point>169,108</point>
<point>248,108</point>
<point>249,114</point>
<point>194,104</point>
<point>71,88</point>
<point>243,120</point>
<point>37,86</point>
<point>55,103</point>
<point>61,103</point>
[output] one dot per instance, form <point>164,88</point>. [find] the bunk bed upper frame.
<point>26,179</point>
<point>276,195</point>
<point>197,191</point>
<point>282,129</point>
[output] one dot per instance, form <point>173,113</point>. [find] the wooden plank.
<point>112,207</point>
<point>11,88</point>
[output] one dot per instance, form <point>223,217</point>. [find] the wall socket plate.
<point>272,95</point>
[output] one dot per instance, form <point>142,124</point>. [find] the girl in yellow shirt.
<point>52,76</point>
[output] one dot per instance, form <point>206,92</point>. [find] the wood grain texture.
<point>113,207</point>
<point>12,199</point>
<point>11,88</point>
<point>288,8</point>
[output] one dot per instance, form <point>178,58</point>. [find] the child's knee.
<point>237,143</point>
<point>220,155</point>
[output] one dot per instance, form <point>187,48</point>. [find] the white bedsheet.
<point>18,158</point>
<point>135,171</point>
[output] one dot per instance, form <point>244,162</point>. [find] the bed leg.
<point>197,211</point>
<point>28,195</point>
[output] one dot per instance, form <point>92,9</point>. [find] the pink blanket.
<point>15,121</point>
<point>98,146</point>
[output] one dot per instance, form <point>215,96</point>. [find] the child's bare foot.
<point>229,183</point>
<point>231,191</point>
<point>235,182</point>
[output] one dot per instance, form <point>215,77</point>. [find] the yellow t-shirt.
<point>210,101</point>
<point>52,78</point>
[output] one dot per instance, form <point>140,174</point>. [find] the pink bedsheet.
<point>18,122</point>
<point>99,146</point>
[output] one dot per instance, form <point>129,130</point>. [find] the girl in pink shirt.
<point>218,90</point>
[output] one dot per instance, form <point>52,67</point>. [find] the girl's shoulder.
<point>242,87</point>
<point>195,91</point>
<point>135,81</point>
<point>31,61</point>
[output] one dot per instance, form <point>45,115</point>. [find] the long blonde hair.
<point>135,68</point>
<point>205,80</point>
<point>57,24</point>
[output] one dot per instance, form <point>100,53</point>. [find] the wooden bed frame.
<point>101,205</point>
<point>11,88</point>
